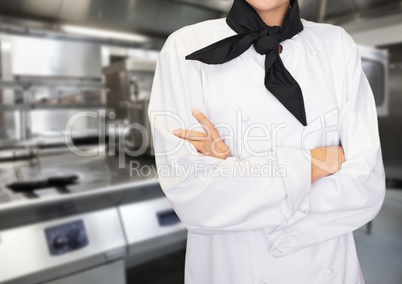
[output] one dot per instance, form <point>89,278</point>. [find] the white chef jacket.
<point>277,227</point>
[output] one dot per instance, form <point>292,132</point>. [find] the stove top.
<point>86,174</point>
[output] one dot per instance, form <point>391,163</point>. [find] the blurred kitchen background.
<point>75,208</point>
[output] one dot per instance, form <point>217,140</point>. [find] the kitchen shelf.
<point>44,106</point>
<point>58,85</point>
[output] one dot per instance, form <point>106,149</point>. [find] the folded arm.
<point>209,194</point>
<point>341,203</point>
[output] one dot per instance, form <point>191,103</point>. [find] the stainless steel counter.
<point>101,183</point>
<point>119,208</point>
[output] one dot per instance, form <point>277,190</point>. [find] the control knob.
<point>76,238</point>
<point>59,243</point>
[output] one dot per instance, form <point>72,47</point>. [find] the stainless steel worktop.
<point>118,210</point>
<point>102,182</point>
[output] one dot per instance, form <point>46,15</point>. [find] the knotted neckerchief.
<point>251,30</point>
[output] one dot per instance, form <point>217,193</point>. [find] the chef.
<point>272,124</point>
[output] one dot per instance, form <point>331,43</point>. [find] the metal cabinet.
<point>110,273</point>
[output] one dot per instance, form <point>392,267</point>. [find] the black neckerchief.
<point>251,30</point>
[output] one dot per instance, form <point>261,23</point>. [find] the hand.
<point>326,161</point>
<point>209,143</point>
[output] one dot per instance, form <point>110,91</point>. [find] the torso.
<point>235,96</point>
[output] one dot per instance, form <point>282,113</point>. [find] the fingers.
<point>201,147</point>
<point>209,128</point>
<point>206,124</point>
<point>327,160</point>
<point>198,139</point>
<point>209,143</point>
<point>209,148</point>
<point>190,134</point>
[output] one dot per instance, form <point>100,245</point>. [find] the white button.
<point>238,59</point>
<point>329,271</point>
<point>314,53</point>
<point>245,118</point>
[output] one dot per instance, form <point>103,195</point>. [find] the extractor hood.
<point>159,18</point>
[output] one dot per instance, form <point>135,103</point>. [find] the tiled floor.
<point>380,253</point>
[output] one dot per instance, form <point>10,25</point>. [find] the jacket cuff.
<point>297,180</point>
<point>281,242</point>
<point>297,207</point>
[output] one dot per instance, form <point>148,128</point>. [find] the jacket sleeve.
<point>341,203</point>
<point>212,195</point>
